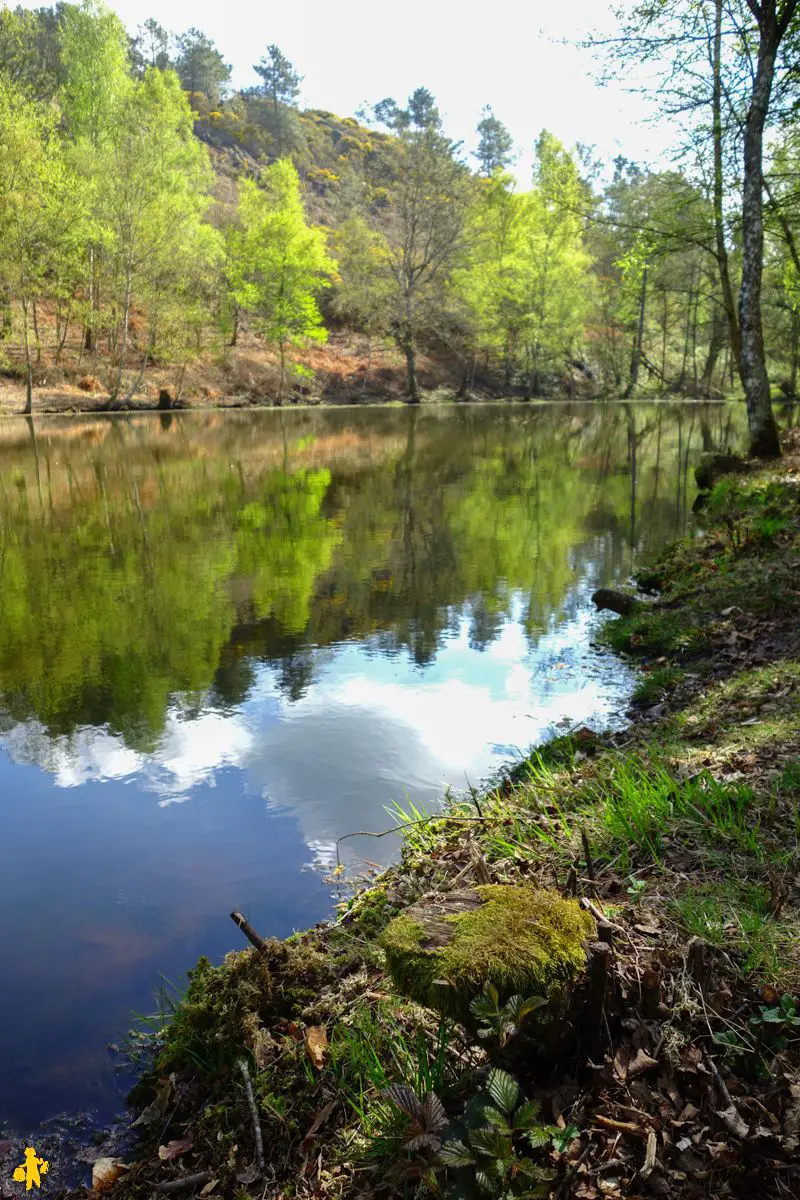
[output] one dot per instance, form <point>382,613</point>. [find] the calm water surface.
<point>228,639</point>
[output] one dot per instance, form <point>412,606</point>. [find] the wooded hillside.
<point>165,237</point>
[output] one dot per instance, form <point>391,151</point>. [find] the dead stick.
<point>251,934</point>
<point>620,1126</point>
<point>572,1172</point>
<point>587,854</point>
<point>600,917</point>
<point>251,1100</point>
<point>186,1181</point>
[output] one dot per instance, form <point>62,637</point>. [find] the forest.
<point>154,221</point>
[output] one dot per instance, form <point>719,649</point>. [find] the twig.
<point>600,917</point>
<point>251,934</point>
<point>407,825</point>
<point>186,1181</point>
<point>251,1100</point>
<point>587,854</point>
<point>620,1126</point>
<point>573,1171</point>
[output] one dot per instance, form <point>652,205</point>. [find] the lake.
<point>228,639</point>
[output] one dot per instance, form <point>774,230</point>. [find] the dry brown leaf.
<point>105,1172</point>
<point>317,1045</point>
<point>174,1149</point>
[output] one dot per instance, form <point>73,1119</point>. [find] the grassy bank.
<point>301,1068</point>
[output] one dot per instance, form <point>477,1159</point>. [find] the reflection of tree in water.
<point>140,561</point>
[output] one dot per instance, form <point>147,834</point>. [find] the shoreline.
<point>246,406</point>
<point>671,833</point>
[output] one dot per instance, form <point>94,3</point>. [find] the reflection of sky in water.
<point>370,730</point>
<point>131,863</point>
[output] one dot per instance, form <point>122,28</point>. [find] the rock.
<point>444,950</point>
<point>713,466</point>
<point>618,602</point>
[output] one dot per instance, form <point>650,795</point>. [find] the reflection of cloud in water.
<point>371,730</point>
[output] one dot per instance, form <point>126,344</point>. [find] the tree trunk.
<point>719,220</point>
<point>6,317</point>
<point>715,346</point>
<point>764,440</point>
<point>28,364</point>
<point>636,357</point>
<point>281,381</point>
<point>235,330</point>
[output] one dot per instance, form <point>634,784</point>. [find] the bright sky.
<point>507,53</point>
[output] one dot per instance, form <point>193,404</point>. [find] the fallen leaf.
<point>208,1189</point>
<point>174,1149</point>
<point>157,1110</point>
<point>105,1172</point>
<point>733,1121</point>
<point>317,1045</point>
<point>321,1118</point>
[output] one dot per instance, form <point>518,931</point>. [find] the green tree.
<point>42,214</point>
<point>201,67</point>
<point>150,47</point>
<point>157,192</point>
<point>496,146</point>
<point>29,49</point>
<point>363,292</point>
<point>277,263</point>
<point>432,194</point>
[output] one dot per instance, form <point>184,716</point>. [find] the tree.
<point>741,55</point>
<point>200,66</point>
<point>280,81</point>
<point>94,53</point>
<point>158,184</point>
<point>362,293</point>
<point>279,88</point>
<point>42,213</point>
<point>150,47</point>
<point>29,49</point>
<point>773,20</point>
<point>277,263</point>
<point>495,148</point>
<point>431,201</point>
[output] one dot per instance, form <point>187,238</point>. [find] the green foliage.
<point>502,1021</point>
<point>277,263</point>
<point>201,67</point>
<point>487,1151</point>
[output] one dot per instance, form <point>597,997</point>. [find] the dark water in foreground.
<point>228,639</point>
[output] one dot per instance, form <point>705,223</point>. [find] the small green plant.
<point>418,1139</point>
<point>772,1024</point>
<point>502,1021</point>
<point>636,888</point>
<point>487,1150</point>
<point>563,1138</point>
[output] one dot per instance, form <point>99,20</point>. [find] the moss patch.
<point>524,941</point>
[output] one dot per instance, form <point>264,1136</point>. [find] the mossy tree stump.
<point>444,950</point>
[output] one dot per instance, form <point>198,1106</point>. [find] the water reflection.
<point>228,639</point>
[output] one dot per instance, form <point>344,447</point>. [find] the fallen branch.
<point>620,1126</point>
<point>600,917</point>
<point>186,1181</point>
<point>251,934</point>
<point>251,1101</point>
